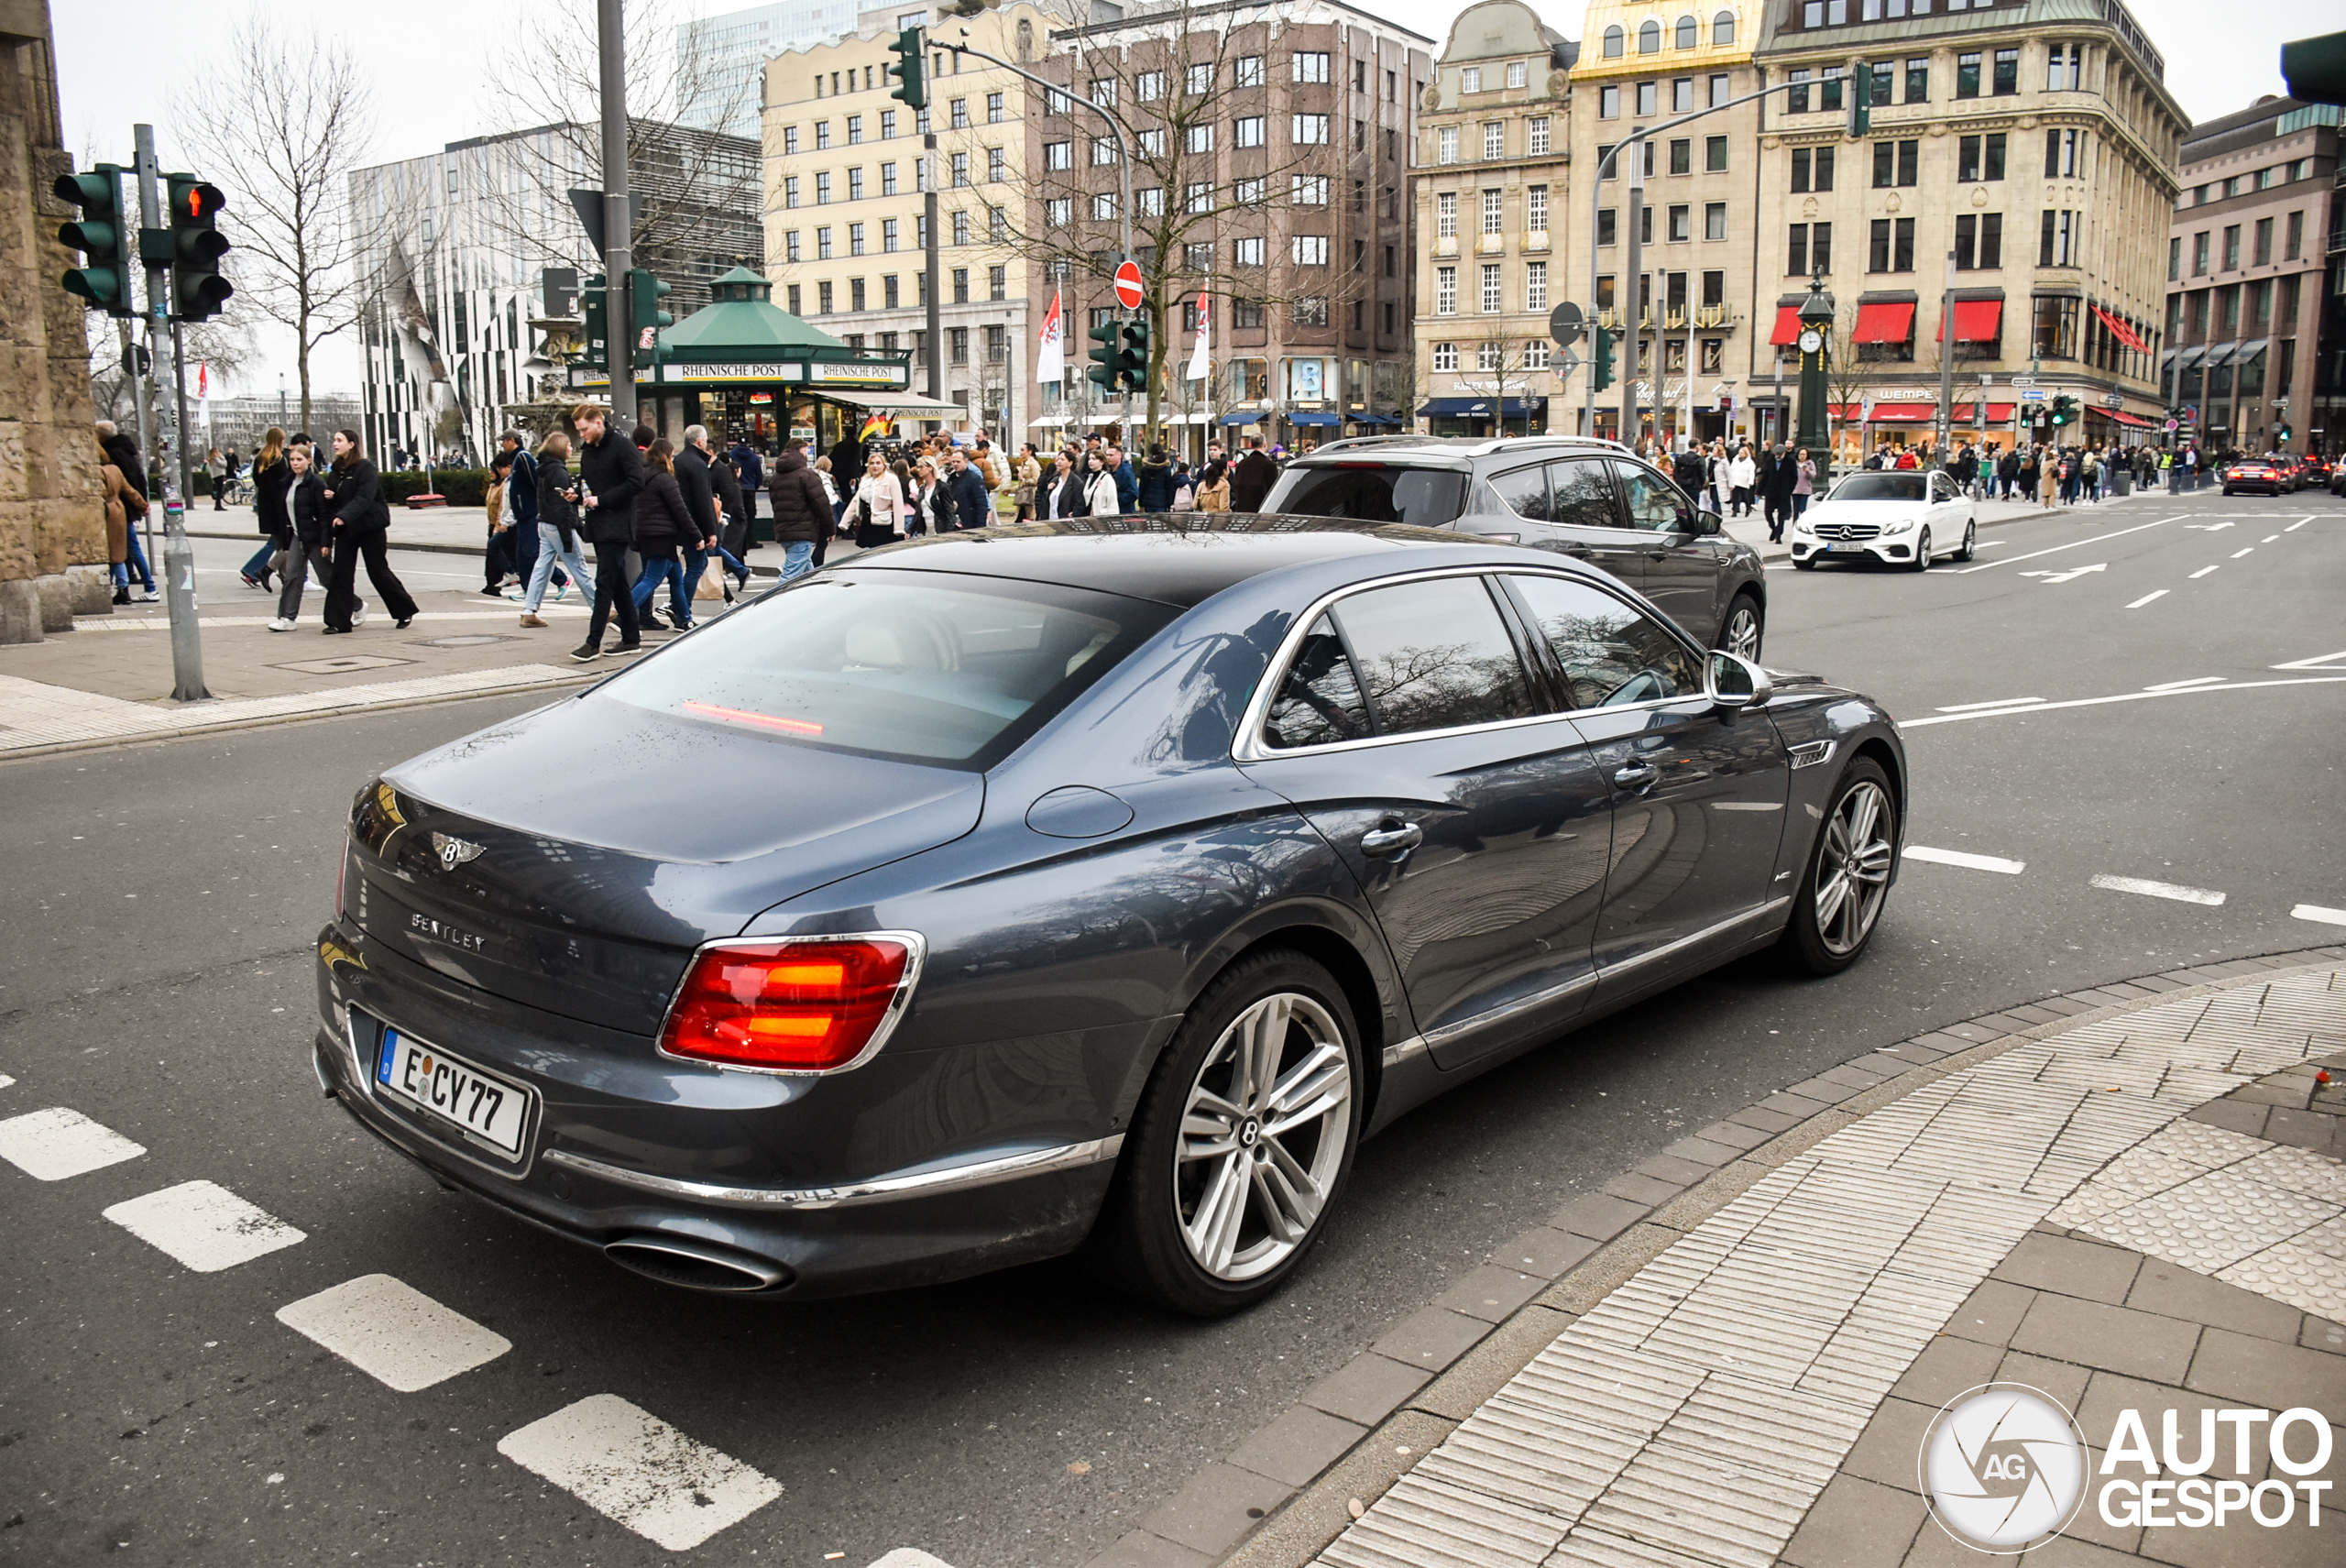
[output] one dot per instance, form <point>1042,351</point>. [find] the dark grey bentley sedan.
<point>1094,885</point>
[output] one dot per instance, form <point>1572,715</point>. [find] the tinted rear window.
<point>1375,492</point>
<point>1907,486</point>
<point>918,666</point>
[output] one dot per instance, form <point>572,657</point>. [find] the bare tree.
<point>1845,371</point>
<point>1505,366</point>
<point>286,123</point>
<point>1172,82</point>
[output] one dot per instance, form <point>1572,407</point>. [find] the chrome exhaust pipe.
<point>694,1266</point>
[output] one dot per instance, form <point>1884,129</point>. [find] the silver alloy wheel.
<point>1970,542</point>
<point>1263,1137</point>
<point>1923,552</point>
<point>1853,869</point>
<point>1742,636</point>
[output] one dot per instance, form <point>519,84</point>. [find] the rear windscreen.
<point>1374,492</point>
<point>919,666</point>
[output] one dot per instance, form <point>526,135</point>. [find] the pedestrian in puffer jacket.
<point>802,510</point>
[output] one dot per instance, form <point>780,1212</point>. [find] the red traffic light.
<point>198,202</point>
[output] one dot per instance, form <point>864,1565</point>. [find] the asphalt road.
<point>155,976</point>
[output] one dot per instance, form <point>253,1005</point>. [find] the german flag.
<point>877,425</point>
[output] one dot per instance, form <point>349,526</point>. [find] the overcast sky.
<point>118,63</point>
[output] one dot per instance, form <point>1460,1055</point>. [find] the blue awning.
<point>1240,418</point>
<point>1475,408</point>
<point>1375,419</point>
<point>1320,418</point>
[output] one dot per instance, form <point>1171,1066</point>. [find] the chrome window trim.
<point>1248,746</point>
<point>916,957</point>
<point>879,1189</point>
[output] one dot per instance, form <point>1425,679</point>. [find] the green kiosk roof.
<point>741,315</point>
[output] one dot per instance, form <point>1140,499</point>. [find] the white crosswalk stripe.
<point>393,1333</point>
<point>203,1225</point>
<point>2316,912</point>
<point>630,1465</point>
<point>2150,889</point>
<point>1965,858</point>
<point>52,1145</point>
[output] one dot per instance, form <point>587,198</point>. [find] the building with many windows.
<point>2255,324</point>
<point>452,247</point>
<point>721,61</point>
<point>845,225</point>
<point>1644,63</point>
<point>1490,192</point>
<point>2020,167</point>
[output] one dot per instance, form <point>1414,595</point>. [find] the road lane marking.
<point>2000,702</point>
<point>1967,860</point>
<point>5,1080</point>
<point>203,1225</point>
<point>2320,662</point>
<point>2268,538</point>
<point>52,1144</point>
<point>2297,525</point>
<point>637,1470</point>
<point>2316,912</point>
<point>2210,527</point>
<point>2121,697</point>
<point>2071,575</point>
<point>909,1557</point>
<point>2250,551</point>
<point>2178,685</point>
<point>393,1333</point>
<point>2155,594</point>
<point>2149,889</point>
<point>2076,545</point>
<point>2201,572</point>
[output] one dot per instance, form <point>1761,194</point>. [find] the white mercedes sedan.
<point>1899,517</point>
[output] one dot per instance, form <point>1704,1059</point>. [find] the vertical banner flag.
<point>1196,367</point>
<point>1050,359</point>
<point>203,380</point>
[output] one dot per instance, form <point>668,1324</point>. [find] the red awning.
<point>2132,421</point>
<point>1884,324</point>
<point>1978,320</point>
<point>1889,413</point>
<point>2121,331</point>
<point>1787,325</point>
<point>1969,414</point>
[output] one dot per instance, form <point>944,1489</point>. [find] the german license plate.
<point>494,1109</point>
<point>1844,549</point>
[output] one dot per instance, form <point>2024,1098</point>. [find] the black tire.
<point>1806,947</point>
<point>1804,563</point>
<point>1139,1243</point>
<point>1744,602</point>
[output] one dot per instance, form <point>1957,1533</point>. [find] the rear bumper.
<point>670,1178</point>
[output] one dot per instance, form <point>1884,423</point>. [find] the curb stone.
<point>1454,1360</point>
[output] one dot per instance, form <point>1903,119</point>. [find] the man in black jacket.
<point>802,511</point>
<point>610,472</point>
<point>1253,478</point>
<point>972,506</point>
<point>700,499</point>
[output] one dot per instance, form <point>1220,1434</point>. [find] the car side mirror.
<point>1734,681</point>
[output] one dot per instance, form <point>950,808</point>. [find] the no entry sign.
<point>1128,285</point>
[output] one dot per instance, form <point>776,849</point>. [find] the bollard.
<point>179,591</point>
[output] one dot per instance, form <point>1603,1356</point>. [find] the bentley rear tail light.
<point>822,1005</point>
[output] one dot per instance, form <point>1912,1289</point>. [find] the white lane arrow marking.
<point>2208,527</point>
<point>2070,575</point>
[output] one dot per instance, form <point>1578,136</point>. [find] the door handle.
<point>1638,777</point>
<point>1393,838</point>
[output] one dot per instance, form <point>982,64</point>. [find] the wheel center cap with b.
<point>1250,1133</point>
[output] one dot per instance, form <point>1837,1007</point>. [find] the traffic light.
<point>594,299</point>
<point>2283,433</point>
<point>1108,357</point>
<point>644,293</point>
<point>1132,353</point>
<point>1861,101</point>
<point>103,279</point>
<point>1601,363</point>
<point>910,71</point>
<point>197,244</point>
<point>2065,411</point>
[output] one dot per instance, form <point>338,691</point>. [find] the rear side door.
<point>1407,729</point>
<point>1570,505</point>
<point>1682,569</point>
<point>1698,794</point>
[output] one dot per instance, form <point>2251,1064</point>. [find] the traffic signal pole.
<point>619,239</point>
<point>178,564</point>
<point>934,339</point>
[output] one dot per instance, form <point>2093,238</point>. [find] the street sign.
<point>1128,287</point>
<point>1986,379</point>
<point>1565,325</point>
<point>2023,382</point>
<point>2031,394</point>
<point>2170,427</point>
<point>1567,362</point>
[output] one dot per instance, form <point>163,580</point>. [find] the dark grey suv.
<point>1593,500</point>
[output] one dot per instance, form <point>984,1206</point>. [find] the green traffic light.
<point>1107,358</point>
<point>1861,101</point>
<point>1602,363</point>
<point>101,236</point>
<point>910,71</point>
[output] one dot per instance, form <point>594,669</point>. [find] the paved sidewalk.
<point>2130,1198</point>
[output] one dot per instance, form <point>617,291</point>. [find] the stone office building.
<point>2255,354</point>
<point>2035,142</point>
<point>1489,192</point>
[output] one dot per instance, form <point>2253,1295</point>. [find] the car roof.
<point>1451,450</point>
<point>1176,558</point>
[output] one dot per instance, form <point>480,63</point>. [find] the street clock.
<point>1811,340</point>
